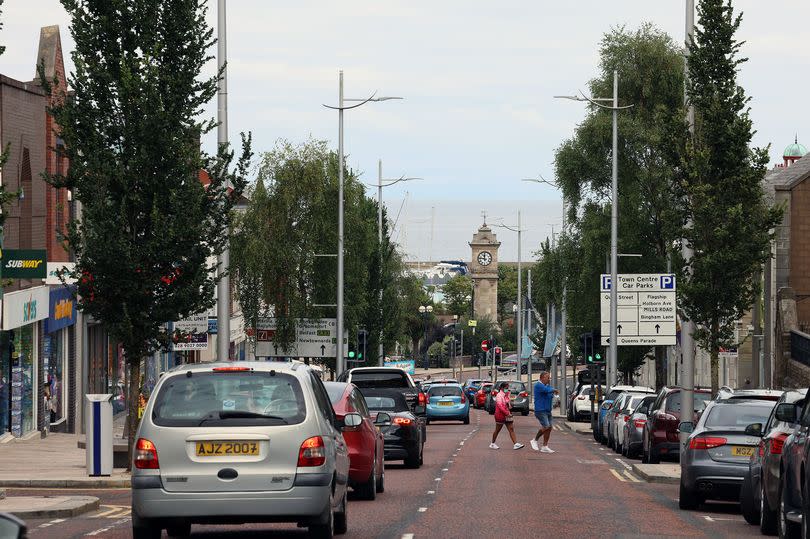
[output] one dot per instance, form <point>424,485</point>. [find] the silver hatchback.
<point>225,443</point>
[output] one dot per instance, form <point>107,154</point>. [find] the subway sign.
<point>24,264</point>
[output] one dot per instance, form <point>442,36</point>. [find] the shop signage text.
<point>25,306</point>
<point>24,264</point>
<point>62,308</point>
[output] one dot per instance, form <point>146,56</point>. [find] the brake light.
<point>146,457</point>
<point>626,418</point>
<point>312,452</point>
<point>402,421</point>
<point>523,394</point>
<point>706,442</point>
<point>777,443</point>
<point>422,399</point>
<point>761,449</point>
<point>639,423</point>
<point>231,369</point>
<point>494,393</point>
<point>463,399</point>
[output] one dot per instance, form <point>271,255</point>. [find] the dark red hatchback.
<point>660,436</point>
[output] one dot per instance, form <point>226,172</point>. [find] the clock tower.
<point>484,273</point>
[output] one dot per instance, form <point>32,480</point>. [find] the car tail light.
<point>580,398</point>
<point>312,452</point>
<point>231,369</point>
<point>422,399</point>
<point>665,417</point>
<point>706,442</point>
<point>761,449</point>
<point>523,394</point>
<point>626,418</point>
<point>146,457</point>
<point>463,399</point>
<point>402,421</point>
<point>639,423</point>
<point>777,443</point>
<point>494,393</point>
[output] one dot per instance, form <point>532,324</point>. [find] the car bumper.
<point>297,504</point>
<point>447,412</point>
<point>520,405</point>
<point>720,480</point>
<point>397,449</point>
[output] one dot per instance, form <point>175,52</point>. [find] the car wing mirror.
<point>754,429</point>
<point>12,527</point>
<point>382,419</point>
<point>352,421</point>
<point>686,426</point>
<point>786,412</point>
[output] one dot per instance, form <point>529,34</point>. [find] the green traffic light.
<point>359,355</point>
<point>590,359</point>
<point>598,356</point>
<point>351,354</point>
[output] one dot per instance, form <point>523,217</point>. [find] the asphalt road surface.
<point>466,490</point>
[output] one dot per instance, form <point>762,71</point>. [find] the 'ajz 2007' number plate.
<point>227,449</point>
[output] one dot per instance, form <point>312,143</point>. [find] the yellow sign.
<point>472,323</point>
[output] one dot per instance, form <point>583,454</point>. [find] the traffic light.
<point>352,353</point>
<point>362,344</point>
<point>597,345</point>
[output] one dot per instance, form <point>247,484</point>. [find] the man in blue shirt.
<point>543,395</point>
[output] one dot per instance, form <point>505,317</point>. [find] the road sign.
<point>645,312</point>
<point>314,337</point>
<point>472,323</point>
<point>484,345</point>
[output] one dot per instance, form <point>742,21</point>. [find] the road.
<point>466,490</point>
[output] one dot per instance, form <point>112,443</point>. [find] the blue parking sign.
<point>605,282</point>
<point>668,282</point>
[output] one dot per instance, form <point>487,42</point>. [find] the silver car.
<point>224,443</point>
<point>634,427</point>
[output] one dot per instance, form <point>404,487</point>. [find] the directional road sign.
<point>314,337</point>
<point>646,309</point>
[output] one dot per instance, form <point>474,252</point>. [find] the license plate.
<point>737,451</point>
<point>445,404</point>
<point>226,449</point>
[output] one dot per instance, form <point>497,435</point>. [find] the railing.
<point>800,347</point>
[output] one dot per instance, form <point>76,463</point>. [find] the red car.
<point>366,455</point>
<point>481,394</point>
<point>660,435</point>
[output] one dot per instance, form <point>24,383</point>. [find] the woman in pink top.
<point>503,416</point>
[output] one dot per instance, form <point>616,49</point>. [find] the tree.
<point>457,294</point>
<point>721,183</point>
<point>132,134</point>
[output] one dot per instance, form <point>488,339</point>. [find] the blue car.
<point>447,401</point>
<point>471,387</point>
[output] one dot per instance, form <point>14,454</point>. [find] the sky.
<point>477,80</point>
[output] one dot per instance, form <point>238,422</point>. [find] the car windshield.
<point>247,398</point>
<point>380,379</point>
<point>516,387</point>
<point>737,415</point>
<point>444,391</point>
<point>632,402</point>
<point>674,401</point>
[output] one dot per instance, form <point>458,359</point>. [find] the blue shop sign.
<point>61,309</point>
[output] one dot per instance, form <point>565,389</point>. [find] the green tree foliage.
<point>456,291</point>
<point>722,174</point>
<point>650,72</point>
<point>132,135</point>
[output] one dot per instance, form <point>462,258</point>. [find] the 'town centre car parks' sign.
<point>645,314</point>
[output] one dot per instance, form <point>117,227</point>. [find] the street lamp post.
<point>614,216</point>
<point>224,285</point>
<point>340,360</point>
<point>519,313</point>
<point>425,311</point>
<point>380,185</point>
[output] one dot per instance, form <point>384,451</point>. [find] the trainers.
<point>493,446</point>
<point>534,445</point>
<point>518,445</point>
<point>546,449</point>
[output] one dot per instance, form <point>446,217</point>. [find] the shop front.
<point>59,356</point>
<point>19,355</point>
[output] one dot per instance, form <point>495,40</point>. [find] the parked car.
<point>510,362</point>
<point>203,450</point>
<point>482,393</point>
<point>720,447</point>
<point>365,441</point>
<point>634,427</point>
<point>471,387</point>
<point>583,379</point>
<point>402,430</point>
<point>582,402</point>
<point>600,433</point>
<point>518,396</point>
<point>660,436</point>
<point>792,505</point>
<point>447,401</point>
<point>12,527</point>
<point>626,408</point>
<point>760,489</point>
<point>726,393</point>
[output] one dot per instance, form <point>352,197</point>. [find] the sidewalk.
<point>668,472</point>
<point>26,507</point>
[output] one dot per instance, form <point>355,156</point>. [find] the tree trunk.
<point>715,354</point>
<point>134,364</point>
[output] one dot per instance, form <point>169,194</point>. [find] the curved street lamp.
<point>425,311</point>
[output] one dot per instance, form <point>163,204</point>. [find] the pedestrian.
<point>543,395</point>
<point>503,416</point>
<point>747,384</point>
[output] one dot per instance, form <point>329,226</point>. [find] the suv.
<point>660,436</point>
<point>203,451</point>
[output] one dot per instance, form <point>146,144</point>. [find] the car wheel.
<point>341,525</point>
<point>687,500</point>
<point>467,419</point>
<point>767,516</point>
<point>652,457</point>
<point>750,511</point>
<point>381,481</point>
<point>325,530</point>
<point>785,528</point>
<point>412,461</point>
<point>179,530</point>
<point>368,490</point>
<point>143,528</point>
<point>422,454</point>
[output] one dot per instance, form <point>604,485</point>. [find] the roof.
<point>785,179</point>
<point>795,150</point>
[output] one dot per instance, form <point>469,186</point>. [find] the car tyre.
<point>413,461</point>
<point>785,528</point>
<point>750,511</point>
<point>381,481</point>
<point>368,490</point>
<point>467,419</point>
<point>325,530</point>
<point>767,516</point>
<point>143,528</point>
<point>652,458</point>
<point>182,529</point>
<point>341,518</point>
<point>687,500</point>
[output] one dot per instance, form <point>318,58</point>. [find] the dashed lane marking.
<point>717,519</point>
<point>422,509</point>
<point>51,523</point>
<point>107,528</point>
<point>431,492</point>
<point>407,536</point>
<point>623,463</point>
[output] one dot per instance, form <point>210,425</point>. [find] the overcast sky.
<point>477,78</point>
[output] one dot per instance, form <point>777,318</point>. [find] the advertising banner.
<point>408,365</point>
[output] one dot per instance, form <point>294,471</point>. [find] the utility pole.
<point>564,336</point>
<point>519,312</point>
<point>340,360</point>
<point>614,239</point>
<point>528,332</point>
<point>224,284</point>
<point>380,351</point>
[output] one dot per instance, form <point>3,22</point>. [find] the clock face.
<point>484,258</point>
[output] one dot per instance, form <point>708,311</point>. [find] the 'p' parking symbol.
<point>667,282</point>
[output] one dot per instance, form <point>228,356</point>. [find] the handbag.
<point>509,418</point>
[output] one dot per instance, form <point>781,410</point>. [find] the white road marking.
<point>422,509</point>
<point>623,463</point>
<point>51,523</point>
<point>445,469</point>
<point>108,528</point>
<point>718,519</point>
<point>438,479</point>
<point>407,536</point>
<point>431,492</point>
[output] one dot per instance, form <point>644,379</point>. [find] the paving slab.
<point>29,507</point>
<point>669,473</point>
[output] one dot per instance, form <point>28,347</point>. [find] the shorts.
<point>544,418</point>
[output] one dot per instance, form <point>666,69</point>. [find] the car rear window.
<point>335,391</point>
<point>444,391</point>
<point>248,398</point>
<point>700,401</point>
<point>516,387</point>
<point>737,415</point>
<point>380,379</point>
<point>385,401</point>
